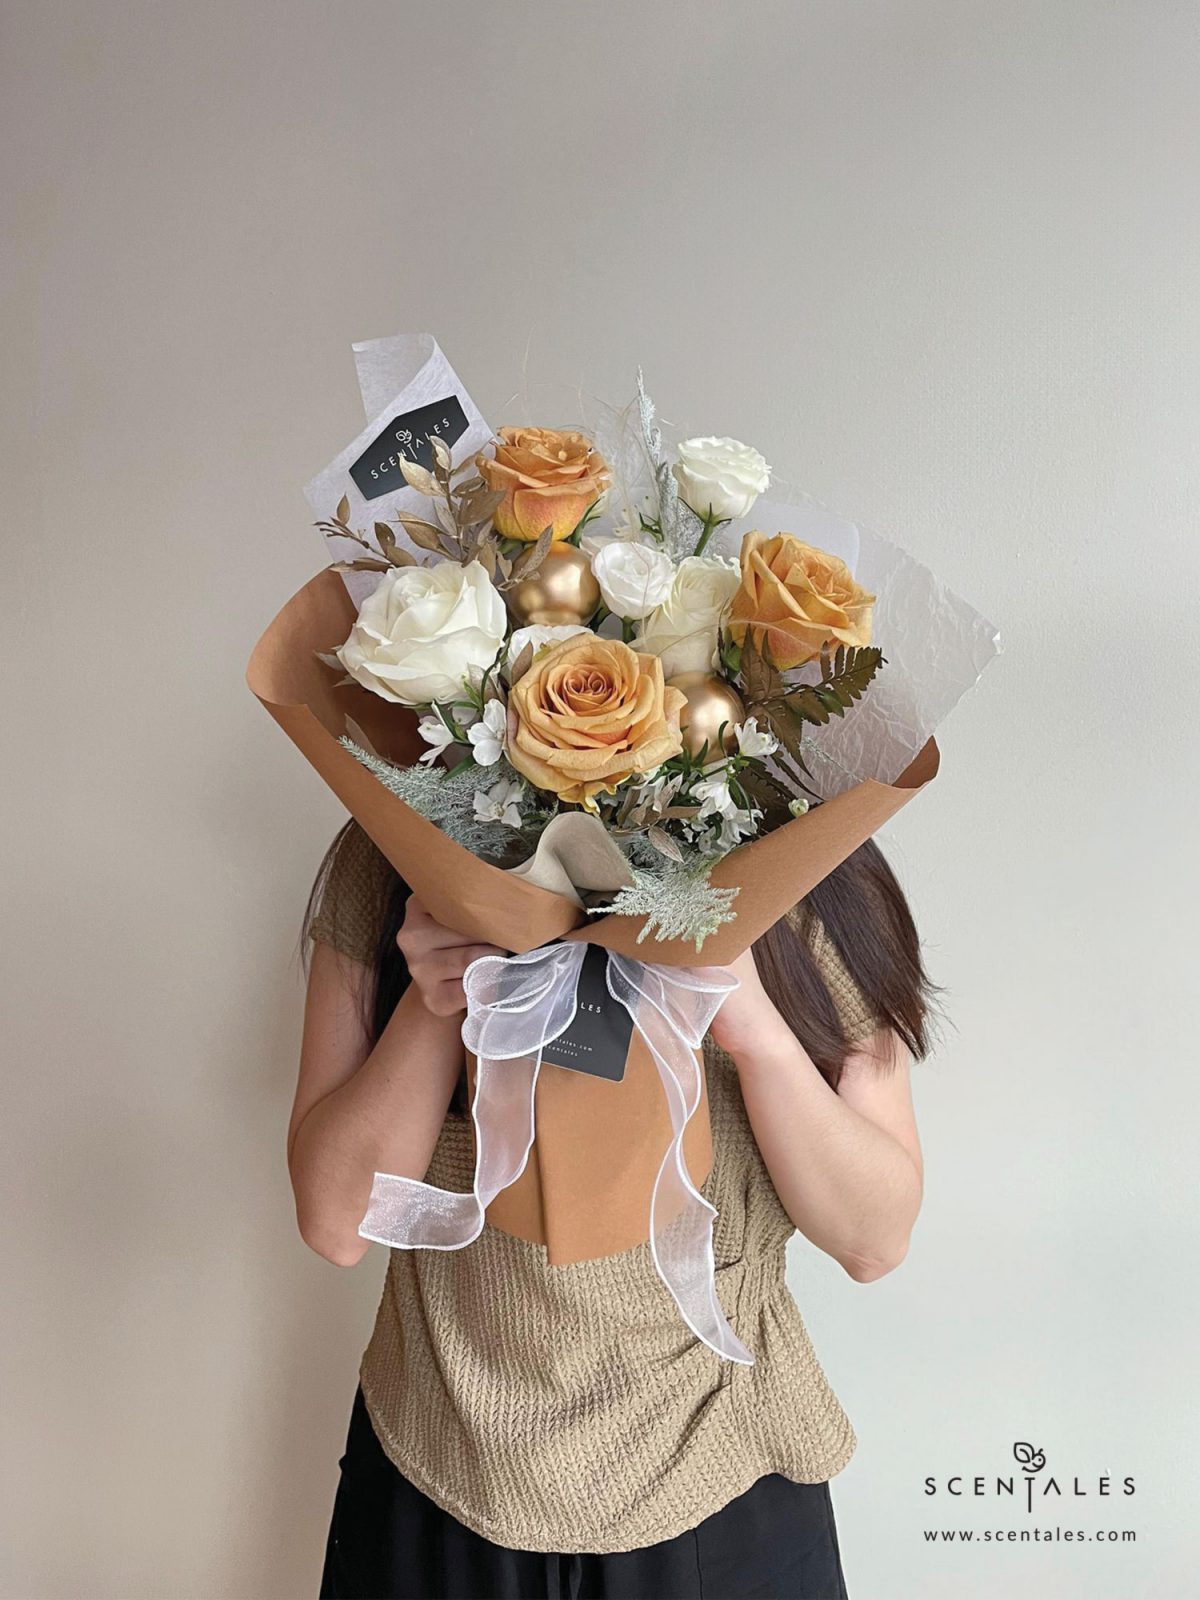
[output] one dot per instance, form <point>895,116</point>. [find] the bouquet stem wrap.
<point>518,1005</point>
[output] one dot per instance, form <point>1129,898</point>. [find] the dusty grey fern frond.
<point>676,899</point>
<point>680,528</point>
<point>447,799</point>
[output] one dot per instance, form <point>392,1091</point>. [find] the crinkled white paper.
<point>395,375</point>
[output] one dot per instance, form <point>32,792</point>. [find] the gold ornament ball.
<point>562,590</point>
<point>710,702</point>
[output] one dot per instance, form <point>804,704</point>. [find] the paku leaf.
<point>846,681</point>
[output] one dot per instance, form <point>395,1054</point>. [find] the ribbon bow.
<point>516,1006</point>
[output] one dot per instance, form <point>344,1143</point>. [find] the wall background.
<point>938,261</point>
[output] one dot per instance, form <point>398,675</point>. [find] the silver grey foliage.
<point>676,900</point>
<point>680,527</point>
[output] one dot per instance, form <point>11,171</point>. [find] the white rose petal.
<point>540,634</point>
<point>721,478</point>
<point>424,632</point>
<point>634,579</point>
<point>685,630</point>
<point>487,735</point>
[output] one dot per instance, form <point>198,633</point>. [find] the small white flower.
<point>436,735</point>
<point>500,803</point>
<point>735,827</point>
<point>487,735</point>
<point>753,741</point>
<point>714,797</point>
<point>634,579</point>
<point>721,478</point>
<point>798,806</point>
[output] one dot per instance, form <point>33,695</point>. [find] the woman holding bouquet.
<point>527,1430</point>
<point>529,1424</point>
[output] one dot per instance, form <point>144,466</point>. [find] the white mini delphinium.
<point>487,734</point>
<point>501,803</point>
<point>439,733</point>
<point>720,823</point>
<point>754,742</point>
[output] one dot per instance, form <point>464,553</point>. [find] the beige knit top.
<point>568,1408</point>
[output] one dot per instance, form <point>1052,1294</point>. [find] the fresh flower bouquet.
<point>573,717</point>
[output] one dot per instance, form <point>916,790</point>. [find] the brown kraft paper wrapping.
<point>586,1188</point>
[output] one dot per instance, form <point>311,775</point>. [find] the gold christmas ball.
<point>710,703</point>
<point>562,589</point>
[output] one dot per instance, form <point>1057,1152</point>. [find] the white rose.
<point>424,632</point>
<point>539,634</point>
<point>634,579</point>
<point>685,630</point>
<point>721,478</point>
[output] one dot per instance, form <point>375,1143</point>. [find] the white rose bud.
<point>721,478</point>
<point>634,579</point>
<point>685,630</point>
<point>539,634</point>
<point>424,632</point>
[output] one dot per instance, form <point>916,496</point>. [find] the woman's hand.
<point>437,959</point>
<point>747,1017</point>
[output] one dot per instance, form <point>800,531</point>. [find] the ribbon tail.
<point>682,1248</point>
<point>407,1214</point>
<point>514,1006</point>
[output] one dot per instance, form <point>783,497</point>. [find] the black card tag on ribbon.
<point>377,470</point>
<point>598,1039</point>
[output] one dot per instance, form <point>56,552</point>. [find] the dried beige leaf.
<point>522,664</point>
<point>417,478</point>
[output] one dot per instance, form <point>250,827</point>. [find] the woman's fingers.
<point>454,961</point>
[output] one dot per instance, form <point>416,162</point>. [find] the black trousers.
<point>387,1541</point>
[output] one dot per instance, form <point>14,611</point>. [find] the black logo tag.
<point>377,470</point>
<point>598,1039</point>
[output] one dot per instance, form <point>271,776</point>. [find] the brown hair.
<point>864,914</point>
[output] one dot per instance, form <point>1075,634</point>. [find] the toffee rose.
<point>549,480</point>
<point>797,600</point>
<point>588,714</point>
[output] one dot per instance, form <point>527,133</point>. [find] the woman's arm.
<point>846,1164</point>
<point>360,1111</point>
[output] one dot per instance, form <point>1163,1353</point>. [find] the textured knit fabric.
<point>568,1408</point>
<point>389,1541</point>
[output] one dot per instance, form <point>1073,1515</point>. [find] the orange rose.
<point>797,600</point>
<point>549,480</point>
<point>588,714</point>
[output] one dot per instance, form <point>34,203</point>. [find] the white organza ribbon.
<point>515,1007</point>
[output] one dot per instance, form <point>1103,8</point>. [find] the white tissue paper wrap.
<point>515,1007</point>
<point>395,376</point>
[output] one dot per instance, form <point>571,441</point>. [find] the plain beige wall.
<point>938,261</point>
